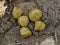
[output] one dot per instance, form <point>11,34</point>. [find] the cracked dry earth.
<point>9,29</point>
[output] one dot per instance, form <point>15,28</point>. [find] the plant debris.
<point>2,8</point>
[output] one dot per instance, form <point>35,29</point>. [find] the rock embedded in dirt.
<point>48,41</point>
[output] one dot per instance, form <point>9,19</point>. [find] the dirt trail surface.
<point>9,29</point>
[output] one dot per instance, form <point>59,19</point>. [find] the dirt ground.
<point>9,29</point>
